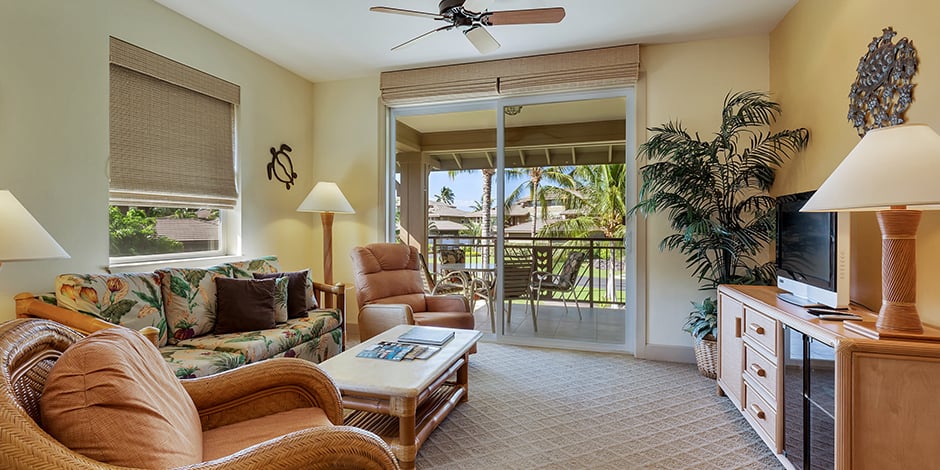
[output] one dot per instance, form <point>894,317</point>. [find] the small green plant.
<point>703,320</point>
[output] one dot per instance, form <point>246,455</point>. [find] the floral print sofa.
<point>181,304</point>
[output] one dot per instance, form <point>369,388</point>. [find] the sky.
<point>467,187</point>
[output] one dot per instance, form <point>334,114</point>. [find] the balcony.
<point>599,291</point>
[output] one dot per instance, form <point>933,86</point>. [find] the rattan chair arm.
<point>263,388</point>
<point>327,447</point>
<point>28,306</point>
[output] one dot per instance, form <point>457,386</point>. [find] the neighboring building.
<point>195,234</point>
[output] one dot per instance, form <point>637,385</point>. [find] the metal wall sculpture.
<point>882,91</point>
<point>281,166</point>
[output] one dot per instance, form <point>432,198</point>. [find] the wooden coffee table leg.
<point>405,408</point>
<point>463,374</point>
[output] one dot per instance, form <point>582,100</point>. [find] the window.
<point>172,164</point>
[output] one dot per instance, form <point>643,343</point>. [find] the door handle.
<point>737,327</point>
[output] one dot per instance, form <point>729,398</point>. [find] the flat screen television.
<point>812,254</point>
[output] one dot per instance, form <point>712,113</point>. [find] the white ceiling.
<point>324,40</point>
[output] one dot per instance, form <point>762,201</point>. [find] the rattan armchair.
<point>30,347</point>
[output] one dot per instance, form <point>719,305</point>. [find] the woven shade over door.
<point>566,71</point>
<point>172,133</point>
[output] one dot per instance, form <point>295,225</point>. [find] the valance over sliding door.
<point>567,71</point>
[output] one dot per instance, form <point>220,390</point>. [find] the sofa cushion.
<point>189,300</point>
<point>296,290</point>
<point>265,344</point>
<point>128,299</point>
<point>244,305</point>
<point>189,363</point>
<point>226,440</point>
<point>111,397</point>
<point>246,269</point>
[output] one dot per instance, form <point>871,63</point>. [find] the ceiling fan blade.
<point>532,16</point>
<point>477,6</point>
<point>412,41</point>
<point>399,11</point>
<point>481,39</point>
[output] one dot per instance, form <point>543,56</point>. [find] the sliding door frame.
<point>634,299</point>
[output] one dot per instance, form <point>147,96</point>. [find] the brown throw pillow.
<point>296,290</point>
<point>244,305</point>
<point>112,398</point>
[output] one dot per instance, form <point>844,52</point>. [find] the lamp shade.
<point>21,236</point>
<point>890,166</point>
<point>326,197</point>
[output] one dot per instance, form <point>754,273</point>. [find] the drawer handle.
<point>758,370</point>
<point>757,411</point>
<point>757,328</point>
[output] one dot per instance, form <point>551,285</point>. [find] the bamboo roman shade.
<point>172,133</point>
<point>566,71</point>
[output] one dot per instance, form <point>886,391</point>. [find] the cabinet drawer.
<point>761,370</point>
<point>761,413</point>
<point>761,329</point>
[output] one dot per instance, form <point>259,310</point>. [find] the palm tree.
<point>598,196</point>
<point>446,196</point>
<point>558,176</point>
<point>485,205</point>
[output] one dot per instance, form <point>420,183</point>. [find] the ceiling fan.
<point>471,16</point>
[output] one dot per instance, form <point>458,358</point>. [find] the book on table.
<point>426,335</point>
<point>392,351</point>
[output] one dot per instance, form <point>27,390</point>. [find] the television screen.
<point>805,242</point>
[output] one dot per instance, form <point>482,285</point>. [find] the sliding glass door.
<point>527,197</point>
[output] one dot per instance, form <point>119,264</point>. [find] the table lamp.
<point>327,199</point>
<point>892,171</point>
<point>22,238</point>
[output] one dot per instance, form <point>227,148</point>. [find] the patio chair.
<point>562,283</point>
<point>440,284</point>
<point>517,271</point>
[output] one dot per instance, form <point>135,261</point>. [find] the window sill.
<point>195,262</point>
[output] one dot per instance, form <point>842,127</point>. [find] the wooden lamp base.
<point>899,270</point>
<point>898,317</point>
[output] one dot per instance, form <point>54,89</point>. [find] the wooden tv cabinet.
<point>887,391</point>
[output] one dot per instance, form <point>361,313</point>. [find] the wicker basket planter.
<point>706,357</point>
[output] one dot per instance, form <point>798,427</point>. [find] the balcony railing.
<point>600,278</point>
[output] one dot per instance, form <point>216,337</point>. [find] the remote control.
<point>839,316</point>
<point>819,311</point>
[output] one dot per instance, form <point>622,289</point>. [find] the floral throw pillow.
<point>280,299</point>
<point>246,269</point>
<point>189,298</point>
<point>127,299</point>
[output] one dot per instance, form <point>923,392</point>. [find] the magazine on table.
<point>427,335</point>
<point>392,351</point>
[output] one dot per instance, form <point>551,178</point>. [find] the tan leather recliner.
<point>390,292</point>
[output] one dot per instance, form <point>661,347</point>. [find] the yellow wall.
<point>688,82</point>
<point>348,141</point>
<point>814,53</point>
<point>54,128</point>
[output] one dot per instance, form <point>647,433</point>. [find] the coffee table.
<point>404,401</point>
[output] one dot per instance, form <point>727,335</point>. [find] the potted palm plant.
<point>715,194</point>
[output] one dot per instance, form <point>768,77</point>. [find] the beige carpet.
<point>535,408</point>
